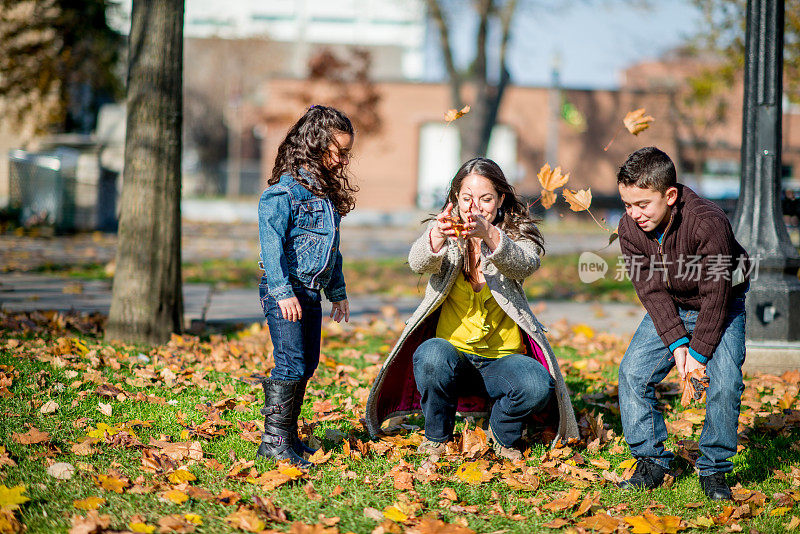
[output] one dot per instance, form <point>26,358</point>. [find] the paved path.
<point>204,306</point>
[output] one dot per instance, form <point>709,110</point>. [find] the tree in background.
<point>488,82</point>
<point>58,62</point>
<point>147,301</point>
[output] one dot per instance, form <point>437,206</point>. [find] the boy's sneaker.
<point>433,449</point>
<point>716,487</point>
<point>506,453</point>
<point>648,475</point>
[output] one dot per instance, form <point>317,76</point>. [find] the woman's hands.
<point>444,228</point>
<point>480,227</point>
<point>476,226</point>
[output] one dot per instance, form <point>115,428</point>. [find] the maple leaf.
<point>565,501</point>
<point>176,496</point>
<point>636,121</point>
<point>578,200</point>
<point>111,483</point>
<point>11,498</point>
<point>551,179</point>
<point>89,503</point>
<point>140,526</point>
<point>647,523</point>
<point>473,472</point>
<point>548,199</point>
<point>246,519</point>
<point>600,522</point>
<point>452,114</point>
<point>180,476</point>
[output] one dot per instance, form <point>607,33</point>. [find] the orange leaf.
<point>548,198</point>
<point>578,200</point>
<point>637,122</point>
<point>565,501</point>
<point>452,114</point>
<point>600,522</point>
<point>31,437</point>
<point>89,503</point>
<point>551,179</point>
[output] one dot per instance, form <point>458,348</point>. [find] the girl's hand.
<point>340,310</point>
<point>290,309</point>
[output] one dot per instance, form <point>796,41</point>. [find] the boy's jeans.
<point>519,385</point>
<point>295,343</point>
<point>647,361</point>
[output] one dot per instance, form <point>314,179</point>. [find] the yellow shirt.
<point>475,323</point>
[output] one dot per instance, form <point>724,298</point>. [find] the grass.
<point>41,361</point>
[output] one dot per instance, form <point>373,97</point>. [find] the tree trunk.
<point>147,303</point>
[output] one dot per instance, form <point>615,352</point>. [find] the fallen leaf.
<point>89,503</point>
<point>176,496</point>
<point>104,408</point>
<point>11,498</point>
<point>246,519</point>
<point>179,476</point>
<point>31,437</point>
<point>49,407</point>
<point>565,501</point>
<point>140,526</point>
<point>391,512</point>
<point>374,514</point>
<point>473,472</point>
<point>61,470</point>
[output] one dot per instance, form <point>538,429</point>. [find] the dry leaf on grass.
<point>89,503</point>
<point>31,437</point>
<point>61,470</point>
<point>11,498</point>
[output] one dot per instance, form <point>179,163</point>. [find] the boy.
<point>681,256</point>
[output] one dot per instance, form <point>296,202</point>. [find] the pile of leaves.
<point>98,438</point>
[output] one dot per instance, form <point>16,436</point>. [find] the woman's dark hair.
<point>304,149</point>
<point>512,216</point>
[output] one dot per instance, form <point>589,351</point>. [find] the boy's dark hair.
<point>648,168</point>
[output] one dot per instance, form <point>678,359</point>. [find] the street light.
<point>773,303</point>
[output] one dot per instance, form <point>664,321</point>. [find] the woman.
<point>474,342</point>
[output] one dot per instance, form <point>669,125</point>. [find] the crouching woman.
<point>473,345</point>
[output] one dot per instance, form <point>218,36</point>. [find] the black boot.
<point>648,475</point>
<point>280,423</point>
<point>297,444</point>
<point>716,487</point>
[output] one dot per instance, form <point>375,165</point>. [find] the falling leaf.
<point>49,407</point>
<point>89,503</point>
<point>61,470</point>
<point>452,114</point>
<point>31,437</point>
<point>11,498</point>
<point>636,121</point>
<point>578,200</point>
<point>551,179</point>
<point>548,199</point>
<point>613,237</point>
<point>180,476</point>
<point>176,496</point>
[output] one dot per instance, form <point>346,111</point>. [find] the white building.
<point>305,24</point>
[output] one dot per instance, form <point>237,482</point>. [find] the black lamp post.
<point>773,303</point>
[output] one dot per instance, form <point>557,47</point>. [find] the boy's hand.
<point>681,354</point>
<point>340,310</point>
<point>290,309</point>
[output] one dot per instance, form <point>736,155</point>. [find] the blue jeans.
<point>295,343</point>
<point>519,385</point>
<point>647,361</point>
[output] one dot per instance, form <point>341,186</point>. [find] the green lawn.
<point>166,434</point>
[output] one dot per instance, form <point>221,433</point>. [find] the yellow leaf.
<point>551,179</point>
<point>636,121</point>
<point>141,527</point>
<point>180,476</point>
<point>194,519</point>
<point>578,200</point>
<point>292,472</point>
<point>176,496</point>
<point>781,511</point>
<point>548,199</point>
<point>390,512</point>
<point>184,435</point>
<point>89,503</point>
<point>11,498</point>
<point>472,473</point>
<point>583,329</point>
<point>627,464</point>
<point>111,483</point>
<point>452,114</point>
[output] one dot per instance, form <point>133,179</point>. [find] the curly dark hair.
<point>302,154</point>
<point>512,217</point>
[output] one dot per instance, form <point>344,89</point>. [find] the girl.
<point>298,225</point>
<point>474,342</point>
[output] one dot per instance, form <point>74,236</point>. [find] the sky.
<point>596,40</point>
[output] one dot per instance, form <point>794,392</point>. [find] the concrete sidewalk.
<point>203,306</point>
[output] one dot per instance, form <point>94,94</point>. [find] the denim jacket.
<point>299,236</point>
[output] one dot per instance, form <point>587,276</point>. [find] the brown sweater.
<point>699,254</point>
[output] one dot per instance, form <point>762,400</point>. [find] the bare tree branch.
<point>436,13</point>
